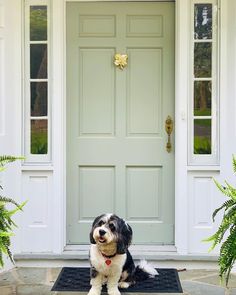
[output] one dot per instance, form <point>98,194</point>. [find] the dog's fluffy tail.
<point>144,271</point>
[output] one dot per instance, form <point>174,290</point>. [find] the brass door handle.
<point>169,129</point>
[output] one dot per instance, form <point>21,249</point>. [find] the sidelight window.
<point>37,94</point>
<point>204,89</point>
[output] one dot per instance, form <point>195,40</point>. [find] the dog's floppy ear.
<point>96,220</point>
<point>92,241</point>
<point>124,237</point>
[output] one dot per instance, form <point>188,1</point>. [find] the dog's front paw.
<point>94,291</point>
<point>123,285</point>
<point>114,291</point>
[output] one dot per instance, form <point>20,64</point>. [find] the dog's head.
<point>109,228</point>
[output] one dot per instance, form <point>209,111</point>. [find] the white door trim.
<point>182,23</point>
<point>59,120</point>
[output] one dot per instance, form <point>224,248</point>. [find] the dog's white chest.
<point>106,266</point>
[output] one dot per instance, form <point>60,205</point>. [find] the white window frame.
<point>213,158</point>
<point>35,158</point>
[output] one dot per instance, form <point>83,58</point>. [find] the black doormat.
<point>77,279</point>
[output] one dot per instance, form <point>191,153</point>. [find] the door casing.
<point>182,25</point>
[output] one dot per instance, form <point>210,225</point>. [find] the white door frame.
<point>59,122</point>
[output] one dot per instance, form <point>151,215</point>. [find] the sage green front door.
<point>116,140</point>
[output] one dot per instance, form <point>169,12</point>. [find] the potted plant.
<point>225,236</point>
<point>6,222</point>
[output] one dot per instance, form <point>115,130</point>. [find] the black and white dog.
<point>111,261</point>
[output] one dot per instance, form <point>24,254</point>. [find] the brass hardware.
<point>169,129</point>
<point>120,60</point>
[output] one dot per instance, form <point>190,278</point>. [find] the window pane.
<point>203,21</point>
<point>38,61</point>
<point>202,98</point>
<point>39,93</point>
<point>39,136</point>
<point>202,59</point>
<point>202,136</point>
<point>38,23</point>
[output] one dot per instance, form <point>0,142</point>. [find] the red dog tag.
<point>108,262</point>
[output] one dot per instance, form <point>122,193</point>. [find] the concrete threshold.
<point>80,258</point>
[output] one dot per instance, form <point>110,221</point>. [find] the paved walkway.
<point>38,281</point>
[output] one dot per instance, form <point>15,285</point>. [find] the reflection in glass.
<point>202,98</point>
<point>38,23</point>
<point>202,136</point>
<point>202,59</point>
<point>203,21</point>
<point>39,137</point>
<point>38,61</point>
<point>39,93</point>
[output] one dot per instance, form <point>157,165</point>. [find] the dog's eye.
<point>112,226</point>
<point>101,223</point>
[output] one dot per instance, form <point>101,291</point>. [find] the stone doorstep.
<point>163,261</point>
<point>38,281</point>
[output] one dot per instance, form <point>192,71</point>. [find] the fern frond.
<point>227,204</point>
<point>219,235</point>
<point>227,227</point>
<point>6,222</point>
<point>5,234</point>
<point>220,187</point>
<point>228,255</point>
<point>9,200</point>
<point>19,207</point>
<point>231,191</point>
<point>8,159</point>
<point>230,214</point>
<point>234,164</point>
<point>1,259</point>
<point>10,255</point>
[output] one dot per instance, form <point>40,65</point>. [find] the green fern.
<point>8,159</point>
<point>225,236</point>
<point>6,222</point>
<point>226,205</point>
<point>227,255</point>
<point>234,164</point>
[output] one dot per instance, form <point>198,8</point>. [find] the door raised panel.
<point>37,218</point>
<point>96,191</point>
<point>144,93</point>
<point>144,193</point>
<point>97,25</point>
<point>144,26</point>
<point>96,91</point>
<point>202,201</point>
<point>38,186</point>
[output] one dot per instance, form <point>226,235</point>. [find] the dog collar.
<point>111,256</point>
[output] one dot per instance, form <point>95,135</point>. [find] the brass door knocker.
<point>120,60</point>
<point>169,129</point>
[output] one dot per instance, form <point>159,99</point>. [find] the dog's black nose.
<point>102,232</point>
